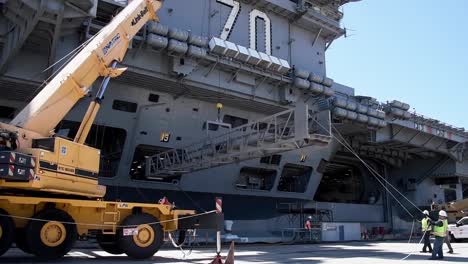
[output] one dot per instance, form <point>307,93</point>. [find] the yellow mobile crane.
<point>455,209</point>
<point>49,191</point>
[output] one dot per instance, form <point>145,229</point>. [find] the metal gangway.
<point>291,129</point>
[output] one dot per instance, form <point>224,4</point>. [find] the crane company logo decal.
<point>65,169</point>
<point>122,205</point>
<point>63,150</point>
<point>111,44</point>
<point>139,16</point>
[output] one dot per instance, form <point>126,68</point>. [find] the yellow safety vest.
<point>425,224</point>
<point>441,231</point>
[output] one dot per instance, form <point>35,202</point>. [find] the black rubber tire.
<point>8,232</point>
<point>20,241</point>
<point>33,238</point>
<point>110,244</point>
<point>128,244</point>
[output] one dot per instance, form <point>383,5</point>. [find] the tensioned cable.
<point>411,235</point>
<point>73,53</point>
<point>103,225</point>
<point>191,199</point>
<point>349,148</point>
<point>374,171</point>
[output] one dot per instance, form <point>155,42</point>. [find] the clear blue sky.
<point>415,51</point>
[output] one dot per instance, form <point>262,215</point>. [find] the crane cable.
<point>104,225</point>
<point>373,172</point>
<point>377,176</point>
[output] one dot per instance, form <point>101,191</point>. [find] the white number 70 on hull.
<point>254,14</point>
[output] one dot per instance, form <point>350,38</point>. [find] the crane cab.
<point>55,165</point>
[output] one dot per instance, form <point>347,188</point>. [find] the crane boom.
<point>74,81</point>
<point>64,166</point>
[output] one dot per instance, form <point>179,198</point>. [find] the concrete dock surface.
<point>332,253</point>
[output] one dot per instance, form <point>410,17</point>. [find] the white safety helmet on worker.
<point>426,212</point>
<point>442,213</point>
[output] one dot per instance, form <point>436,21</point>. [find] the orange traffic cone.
<point>230,256</point>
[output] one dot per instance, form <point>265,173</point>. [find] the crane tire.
<point>110,244</point>
<point>52,238</point>
<point>20,240</point>
<point>149,239</point>
<point>7,232</point>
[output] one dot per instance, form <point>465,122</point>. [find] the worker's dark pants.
<point>427,241</point>
<point>437,251</point>
<point>447,241</point>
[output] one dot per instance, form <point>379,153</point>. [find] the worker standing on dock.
<point>308,223</point>
<point>440,232</point>
<point>447,241</point>
<point>426,229</point>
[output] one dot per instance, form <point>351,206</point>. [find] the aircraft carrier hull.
<point>211,67</point>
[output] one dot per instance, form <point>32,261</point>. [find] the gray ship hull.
<point>256,58</point>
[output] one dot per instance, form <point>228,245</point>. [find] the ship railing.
<point>287,130</point>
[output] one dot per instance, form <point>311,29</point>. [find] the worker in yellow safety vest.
<point>440,232</point>
<point>426,229</point>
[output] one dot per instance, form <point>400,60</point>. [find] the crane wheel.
<point>53,238</point>
<point>148,240</point>
<point>110,244</point>
<point>7,232</point>
<point>20,241</point>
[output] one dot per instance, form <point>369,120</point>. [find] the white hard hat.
<point>310,217</point>
<point>442,213</point>
<point>426,212</point>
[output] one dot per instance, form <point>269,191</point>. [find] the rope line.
<point>171,238</point>
<point>374,171</point>
<point>411,235</point>
<point>378,180</point>
<point>71,54</point>
<point>411,253</point>
<point>103,225</point>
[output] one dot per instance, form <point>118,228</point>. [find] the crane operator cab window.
<point>109,140</point>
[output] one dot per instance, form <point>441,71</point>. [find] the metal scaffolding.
<point>287,130</point>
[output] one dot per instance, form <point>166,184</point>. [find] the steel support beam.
<point>16,39</point>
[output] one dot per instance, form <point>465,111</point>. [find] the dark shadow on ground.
<point>304,253</point>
